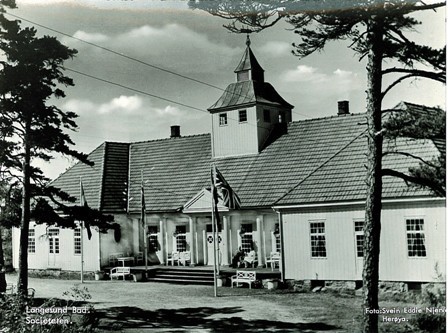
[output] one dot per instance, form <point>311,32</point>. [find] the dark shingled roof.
<point>317,161</point>
<point>248,93</point>
<point>248,61</point>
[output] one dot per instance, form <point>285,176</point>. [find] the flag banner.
<point>143,213</point>
<point>222,189</point>
<point>83,203</point>
<point>229,197</point>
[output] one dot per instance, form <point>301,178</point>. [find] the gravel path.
<point>127,306</point>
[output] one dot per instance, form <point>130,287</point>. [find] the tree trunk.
<point>22,283</point>
<point>2,264</point>
<point>372,225</point>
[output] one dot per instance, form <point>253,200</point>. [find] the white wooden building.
<point>301,186</point>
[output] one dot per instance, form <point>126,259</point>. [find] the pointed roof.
<point>248,61</point>
<point>247,94</point>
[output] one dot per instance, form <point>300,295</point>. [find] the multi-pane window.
<point>246,238</point>
<point>242,115</point>
<point>222,119</point>
<point>31,241</point>
<point>53,238</point>
<point>318,246</point>
<point>359,238</point>
<point>266,116</point>
<point>181,238</point>
<point>77,240</point>
<point>153,241</point>
<point>415,237</point>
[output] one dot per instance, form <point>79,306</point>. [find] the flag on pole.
<point>220,188</point>
<point>84,204</point>
<point>229,197</point>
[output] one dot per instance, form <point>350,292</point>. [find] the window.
<point>181,238</point>
<point>247,243</point>
<point>242,76</point>
<point>415,237</point>
<point>31,241</point>
<point>53,235</point>
<point>77,240</point>
<point>359,238</point>
<point>242,116</point>
<point>153,241</point>
<point>222,119</point>
<point>266,116</point>
<point>317,233</point>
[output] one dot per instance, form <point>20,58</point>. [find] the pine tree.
<point>377,31</point>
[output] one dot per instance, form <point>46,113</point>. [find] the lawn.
<point>125,306</point>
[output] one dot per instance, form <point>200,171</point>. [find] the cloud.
<point>275,48</point>
<point>126,118</point>
<point>169,46</point>
<point>123,103</point>
<point>90,37</point>
<point>304,73</point>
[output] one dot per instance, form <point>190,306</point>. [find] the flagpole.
<point>214,231</point>
<point>82,230</point>
<point>145,240</point>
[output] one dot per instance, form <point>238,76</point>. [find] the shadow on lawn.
<point>123,318</point>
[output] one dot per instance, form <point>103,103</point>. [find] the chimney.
<point>175,131</point>
<point>343,108</point>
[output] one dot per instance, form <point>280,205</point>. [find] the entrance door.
<point>53,248</point>
<point>210,256</point>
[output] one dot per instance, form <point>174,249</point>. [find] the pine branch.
<point>435,188</point>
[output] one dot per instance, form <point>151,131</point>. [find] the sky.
<point>139,102</point>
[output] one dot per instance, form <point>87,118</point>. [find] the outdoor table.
<point>122,260</point>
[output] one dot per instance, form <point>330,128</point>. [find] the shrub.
<point>23,314</point>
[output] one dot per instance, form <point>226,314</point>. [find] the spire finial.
<point>248,40</point>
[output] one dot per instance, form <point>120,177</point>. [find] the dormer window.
<point>242,76</point>
<point>223,119</point>
<point>266,116</point>
<point>242,116</point>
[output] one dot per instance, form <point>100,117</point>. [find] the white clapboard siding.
<point>341,262</point>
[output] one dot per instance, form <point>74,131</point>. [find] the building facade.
<point>301,186</point>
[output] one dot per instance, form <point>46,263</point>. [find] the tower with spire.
<point>250,113</point>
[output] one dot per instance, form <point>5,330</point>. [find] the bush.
<point>23,314</point>
<point>433,297</point>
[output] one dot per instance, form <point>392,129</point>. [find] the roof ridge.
<point>163,139</point>
<point>328,117</point>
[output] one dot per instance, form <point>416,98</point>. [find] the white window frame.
<point>54,241</point>
<point>240,113</point>
<point>223,121</point>
<point>248,234</point>
<point>415,232</point>
<point>359,233</point>
<point>77,241</point>
<point>32,241</point>
<point>181,237</point>
<point>317,234</point>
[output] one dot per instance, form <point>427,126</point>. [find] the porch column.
<point>260,240</point>
<point>162,242</point>
<point>192,241</point>
<point>225,240</point>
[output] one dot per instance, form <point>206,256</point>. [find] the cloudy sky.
<point>140,103</point>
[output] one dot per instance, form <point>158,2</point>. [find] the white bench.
<point>248,277</point>
<point>120,272</point>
